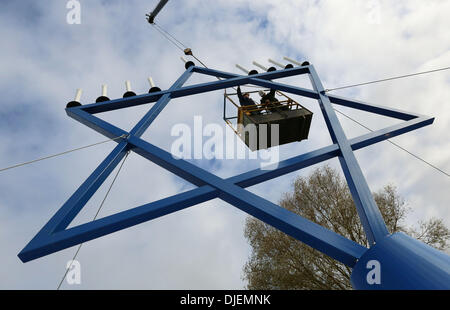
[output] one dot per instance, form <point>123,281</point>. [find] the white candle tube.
<point>78,94</point>
<point>242,68</point>
<point>128,85</point>
<point>150,80</point>
<point>292,60</point>
<point>104,90</point>
<point>276,63</point>
<point>260,66</point>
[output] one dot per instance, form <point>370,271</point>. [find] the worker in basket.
<point>271,102</point>
<point>246,101</point>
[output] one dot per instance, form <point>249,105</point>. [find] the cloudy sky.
<point>44,59</point>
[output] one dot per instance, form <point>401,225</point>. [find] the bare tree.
<point>278,261</point>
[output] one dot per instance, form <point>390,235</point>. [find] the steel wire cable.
<point>95,217</point>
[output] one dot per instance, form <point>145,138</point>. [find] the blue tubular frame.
<point>55,236</point>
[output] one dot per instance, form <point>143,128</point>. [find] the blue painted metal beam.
<point>148,98</point>
<point>273,75</point>
<point>96,123</point>
<point>368,211</point>
<point>390,132</point>
<point>150,116</point>
<point>294,225</point>
<point>380,110</point>
<point>355,104</point>
<point>185,91</point>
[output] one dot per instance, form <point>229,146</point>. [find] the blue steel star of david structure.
<point>393,261</point>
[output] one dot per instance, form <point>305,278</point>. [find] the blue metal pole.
<point>368,211</point>
<point>294,225</point>
<point>151,115</point>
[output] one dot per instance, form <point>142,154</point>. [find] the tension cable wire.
<point>95,217</point>
<point>59,154</point>
<point>387,79</point>
<point>400,147</point>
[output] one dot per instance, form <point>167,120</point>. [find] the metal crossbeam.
<point>55,235</point>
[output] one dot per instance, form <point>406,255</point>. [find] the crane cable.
<point>179,44</point>
<point>166,34</point>
<point>176,42</point>
<point>169,37</point>
<point>95,217</point>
